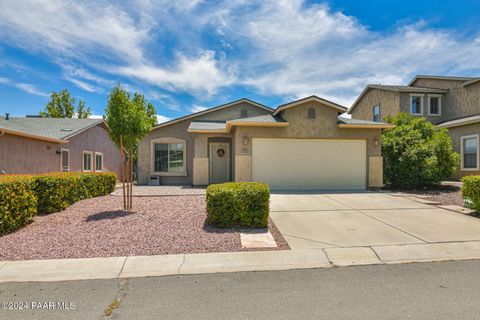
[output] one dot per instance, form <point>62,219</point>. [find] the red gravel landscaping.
<point>99,228</point>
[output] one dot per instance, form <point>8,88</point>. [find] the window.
<point>98,161</point>
<point>434,105</point>
<point>65,160</point>
<point>87,160</point>
<point>311,113</point>
<point>244,113</point>
<point>416,104</point>
<point>469,153</point>
<point>376,114</point>
<point>169,156</point>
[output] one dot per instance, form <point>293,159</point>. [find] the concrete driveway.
<point>329,220</point>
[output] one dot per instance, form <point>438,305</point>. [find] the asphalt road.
<point>448,290</point>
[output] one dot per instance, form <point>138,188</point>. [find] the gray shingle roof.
<point>460,121</point>
<point>204,125</point>
<point>57,128</point>
<point>342,120</point>
<point>267,118</point>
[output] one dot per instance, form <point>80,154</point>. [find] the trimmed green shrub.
<point>18,203</point>
<point>471,191</point>
<point>238,203</point>
<point>57,191</point>
<point>416,153</point>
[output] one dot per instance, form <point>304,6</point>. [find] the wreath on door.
<point>221,153</point>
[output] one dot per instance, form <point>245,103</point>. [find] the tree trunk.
<point>122,153</point>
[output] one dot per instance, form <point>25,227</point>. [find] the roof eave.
<point>257,124</point>
<point>366,126</point>
<point>33,136</point>
<point>458,124</point>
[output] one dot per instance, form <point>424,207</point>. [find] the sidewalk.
<point>181,264</point>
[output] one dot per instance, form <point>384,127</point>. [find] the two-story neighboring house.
<point>449,102</point>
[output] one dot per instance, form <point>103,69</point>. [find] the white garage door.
<point>310,164</point>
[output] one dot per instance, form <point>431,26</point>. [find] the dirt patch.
<point>98,227</point>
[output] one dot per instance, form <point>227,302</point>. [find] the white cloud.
<point>162,118</point>
<point>84,85</point>
<point>196,108</point>
<point>95,116</point>
<point>72,27</point>
<point>201,73</point>
<point>29,88</point>
<point>287,48</point>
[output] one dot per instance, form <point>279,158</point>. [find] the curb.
<point>203,263</point>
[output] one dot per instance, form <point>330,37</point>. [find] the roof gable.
<point>212,110</point>
<point>309,99</point>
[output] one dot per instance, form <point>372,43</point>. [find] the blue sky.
<point>189,55</point>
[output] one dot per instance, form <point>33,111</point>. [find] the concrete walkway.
<point>162,191</point>
<point>146,266</point>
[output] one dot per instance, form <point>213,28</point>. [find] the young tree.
<point>416,153</point>
<point>62,105</point>
<point>129,119</point>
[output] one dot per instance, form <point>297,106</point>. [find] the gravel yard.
<point>99,228</point>
<point>445,194</point>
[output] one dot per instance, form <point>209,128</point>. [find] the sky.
<point>185,56</point>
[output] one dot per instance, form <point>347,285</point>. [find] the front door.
<point>219,162</point>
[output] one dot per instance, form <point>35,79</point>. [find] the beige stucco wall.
<point>323,127</point>
<point>388,100</point>
<point>24,155</point>
<point>375,172</point>
<point>243,168</point>
<point>456,134</point>
<point>200,171</point>
<point>233,112</point>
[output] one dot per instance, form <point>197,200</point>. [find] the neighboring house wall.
<point>459,101</point>
<point>29,156</point>
<point>95,139</point>
<point>23,155</point>
<point>457,133</point>
<point>323,127</point>
<point>388,101</point>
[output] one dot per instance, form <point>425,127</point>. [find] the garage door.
<point>310,164</point>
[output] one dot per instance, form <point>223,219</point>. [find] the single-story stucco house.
<point>303,144</point>
<point>30,145</point>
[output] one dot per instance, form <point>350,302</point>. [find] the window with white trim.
<point>434,105</point>
<point>469,152</point>
<point>376,113</point>
<point>416,104</point>
<point>169,157</point>
<point>87,161</point>
<point>98,161</point>
<point>65,160</point>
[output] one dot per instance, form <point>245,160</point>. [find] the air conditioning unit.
<point>154,181</point>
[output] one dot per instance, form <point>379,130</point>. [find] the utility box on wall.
<point>154,181</point>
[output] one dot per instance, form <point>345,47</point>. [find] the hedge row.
<point>238,203</point>
<point>471,191</point>
<point>24,196</point>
